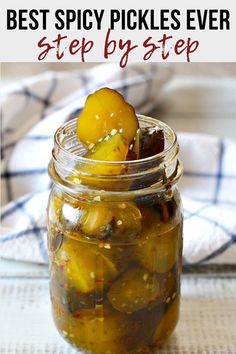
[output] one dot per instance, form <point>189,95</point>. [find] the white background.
<point>215,45</point>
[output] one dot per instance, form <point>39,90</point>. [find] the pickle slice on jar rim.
<point>104,111</point>
<point>111,149</point>
<point>96,171</point>
<point>133,290</point>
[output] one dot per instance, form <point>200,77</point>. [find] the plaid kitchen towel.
<point>31,112</point>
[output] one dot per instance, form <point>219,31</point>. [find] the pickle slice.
<point>167,323</point>
<point>83,267</point>
<point>70,298</point>
<point>121,222</point>
<point>96,221</point>
<point>100,330</point>
<point>112,148</point>
<point>142,328</point>
<point>158,249</point>
<point>104,111</point>
<point>114,346</point>
<point>126,222</point>
<point>103,322</point>
<point>133,290</point>
<point>168,284</point>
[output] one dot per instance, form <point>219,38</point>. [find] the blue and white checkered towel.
<point>33,109</point>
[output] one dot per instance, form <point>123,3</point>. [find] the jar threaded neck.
<point>70,169</point>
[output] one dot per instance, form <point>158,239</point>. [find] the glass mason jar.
<point>115,244</point>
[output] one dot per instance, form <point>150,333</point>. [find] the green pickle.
<point>84,267</point>
<point>158,252</point>
<point>122,222</point>
<point>115,243</point>
<point>100,330</point>
<point>115,148</point>
<point>133,290</point>
<point>112,293</point>
<point>106,324</point>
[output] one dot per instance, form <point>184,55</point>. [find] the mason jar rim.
<point>67,167</point>
<point>143,118</point>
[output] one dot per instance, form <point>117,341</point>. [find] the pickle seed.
<point>122,205</point>
<point>168,300</point>
<point>76,180</point>
<point>92,275</point>
<point>65,334</point>
<point>107,246</point>
<point>91,145</point>
<point>113,132</point>
<point>97,198</point>
<point>145,277</point>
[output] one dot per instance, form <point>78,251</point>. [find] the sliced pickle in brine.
<point>84,267</point>
<point>133,290</point>
<point>158,248</point>
<point>100,330</point>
